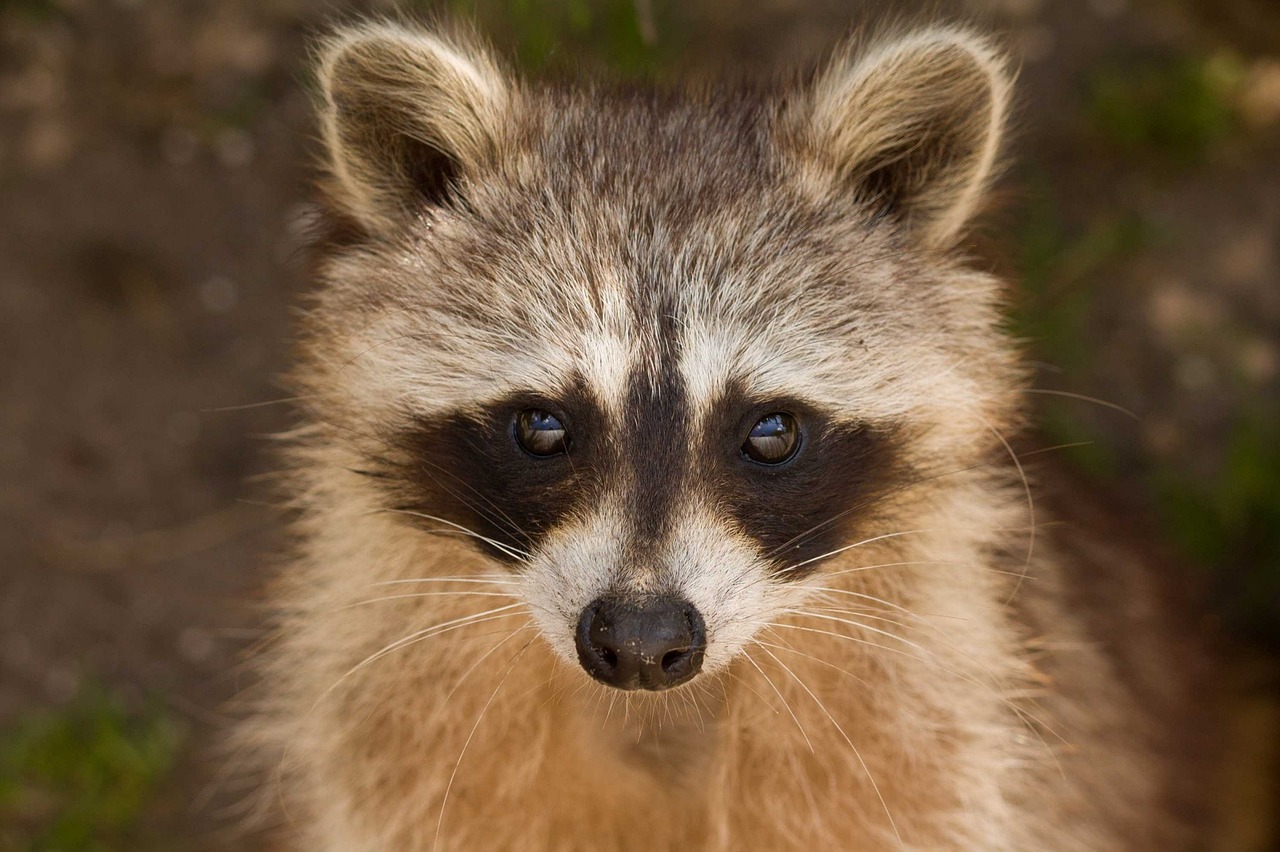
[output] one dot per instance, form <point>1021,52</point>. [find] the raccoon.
<point>654,482</point>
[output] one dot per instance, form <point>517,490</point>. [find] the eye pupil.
<point>541,433</point>
<point>773,440</point>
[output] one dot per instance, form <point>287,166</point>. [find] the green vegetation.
<point>1232,520</point>
<point>1177,109</point>
<point>1053,312</point>
<point>1177,112</point>
<point>1057,265</point>
<point>615,35</point>
<point>35,10</point>
<point>82,777</point>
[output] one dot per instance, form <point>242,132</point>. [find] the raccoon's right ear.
<point>407,117</point>
<point>912,126</point>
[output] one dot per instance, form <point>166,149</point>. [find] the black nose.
<point>656,643</point>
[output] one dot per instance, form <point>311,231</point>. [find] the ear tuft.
<point>913,126</point>
<point>406,117</point>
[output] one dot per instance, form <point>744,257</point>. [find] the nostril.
<point>610,657</point>
<point>673,659</point>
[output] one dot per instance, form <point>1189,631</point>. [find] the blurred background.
<point>155,168</point>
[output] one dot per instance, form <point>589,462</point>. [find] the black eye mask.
<point>786,473</point>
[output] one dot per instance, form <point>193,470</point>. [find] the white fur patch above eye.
<point>606,361</point>
<point>787,362</point>
<point>416,354</point>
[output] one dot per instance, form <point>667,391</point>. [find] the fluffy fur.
<point>669,252</point>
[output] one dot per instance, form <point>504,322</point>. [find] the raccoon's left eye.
<point>541,433</point>
<point>773,440</point>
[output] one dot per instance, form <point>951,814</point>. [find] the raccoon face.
<point>660,356</point>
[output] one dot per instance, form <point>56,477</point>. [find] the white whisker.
<point>1031,511</point>
<point>511,550</point>
<point>444,801</point>
<point>420,635</point>
<point>917,646</point>
<point>1021,712</point>
<point>1083,398</point>
<point>786,705</point>
<point>816,659</point>
<point>856,753</point>
<point>489,581</point>
<point>424,595</point>
<point>861,543</point>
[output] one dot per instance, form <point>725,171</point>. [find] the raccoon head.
<point>660,354</point>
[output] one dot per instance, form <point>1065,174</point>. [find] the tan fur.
<point>915,693</point>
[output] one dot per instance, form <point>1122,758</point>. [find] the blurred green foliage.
<point>1232,520</point>
<point>1228,522</point>
<point>1057,266</point>
<point>38,10</point>
<point>1055,305</point>
<point>619,36</point>
<point>81,777</point>
<point>1177,109</point>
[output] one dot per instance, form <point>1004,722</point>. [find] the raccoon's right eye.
<point>541,433</point>
<point>773,440</point>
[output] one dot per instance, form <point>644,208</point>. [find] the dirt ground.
<point>155,168</point>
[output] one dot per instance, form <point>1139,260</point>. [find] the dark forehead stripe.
<point>655,447</point>
<point>653,438</point>
<point>808,507</point>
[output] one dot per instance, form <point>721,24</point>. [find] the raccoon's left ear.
<point>912,126</point>
<point>407,116</point>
